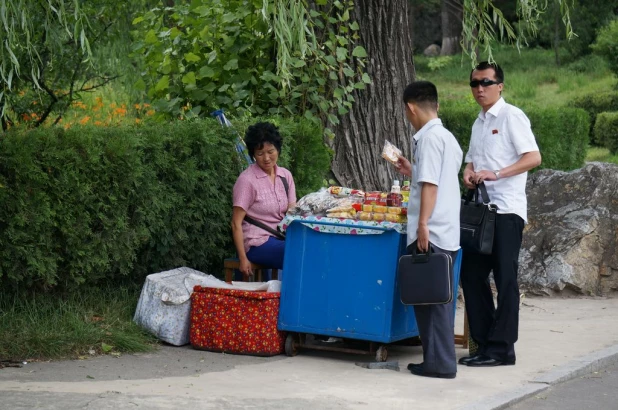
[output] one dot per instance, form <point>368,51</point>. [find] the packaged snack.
<point>367,208</point>
<point>378,216</point>
<point>398,218</point>
<point>390,152</point>
<point>363,216</point>
<point>395,210</point>
<point>341,214</point>
<point>380,208</point>
<point>343,192</point>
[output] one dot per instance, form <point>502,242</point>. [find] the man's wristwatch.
<point>497,173</point>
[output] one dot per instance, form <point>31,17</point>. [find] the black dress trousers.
<point>495,328</point>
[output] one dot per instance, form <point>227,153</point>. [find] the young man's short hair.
<point>422,93</point>
<point>485,65</point>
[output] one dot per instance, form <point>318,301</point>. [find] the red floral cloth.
<point>236,321</point>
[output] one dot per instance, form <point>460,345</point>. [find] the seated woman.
<point>263,192</point>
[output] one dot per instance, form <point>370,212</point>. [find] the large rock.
<point>433,50</point>
<point>571,237</point>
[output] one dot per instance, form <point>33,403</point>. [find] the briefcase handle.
<point>417,256</point>
<point>473,193</point>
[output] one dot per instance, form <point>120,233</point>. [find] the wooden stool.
<point>231,264</point>
<point>463,339</point>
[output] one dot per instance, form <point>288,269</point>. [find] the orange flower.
<point>137,120</point>
<point>84,120</point>
<point>150,112</point>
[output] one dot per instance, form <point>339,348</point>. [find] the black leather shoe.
<point>485,361</point>
<point>417,369</point>
<point>466,359</point>
<point>415,366</point>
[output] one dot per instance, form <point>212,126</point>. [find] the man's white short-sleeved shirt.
<point>499,138</point>
<point>436,159</point>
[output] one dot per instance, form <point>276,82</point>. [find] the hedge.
<point>606,130</point>
<point>595,104</point>
<point>89,204</point>
<point>561,133</point>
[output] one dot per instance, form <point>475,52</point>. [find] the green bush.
<point>562,134</point>
<point>606,130</point>
<point>595,104</point>
<point>88,204</point>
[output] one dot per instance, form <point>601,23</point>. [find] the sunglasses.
<point>484,82</point>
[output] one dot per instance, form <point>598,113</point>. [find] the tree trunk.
<point>452,17</point>
<point>378,111</point>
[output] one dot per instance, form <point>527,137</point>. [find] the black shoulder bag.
<point>477,221</point>
<point>276,233</point>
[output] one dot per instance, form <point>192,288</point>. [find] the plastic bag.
<point>390,152</point>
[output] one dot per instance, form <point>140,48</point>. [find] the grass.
<point>532,78</point>
<point>43,326</point>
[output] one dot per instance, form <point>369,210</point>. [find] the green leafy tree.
<point>250,56</point>
<point>50,54</point>
<point>606,45</point>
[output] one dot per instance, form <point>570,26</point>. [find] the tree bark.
<point>378,111</point>
<point>452,17</point>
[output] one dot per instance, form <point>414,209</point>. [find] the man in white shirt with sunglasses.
<point>502,151</point>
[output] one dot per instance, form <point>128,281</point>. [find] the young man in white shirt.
<point>502,151</point>
<point>433,218</point>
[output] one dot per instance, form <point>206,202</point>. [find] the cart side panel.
<point>344,285</point>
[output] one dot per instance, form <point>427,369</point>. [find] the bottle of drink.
<point>394,197</point>
<point>405,193</point>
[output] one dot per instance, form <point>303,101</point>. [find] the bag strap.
<point>285,185</point>
<point>276,234</point>
<point>473,194</point>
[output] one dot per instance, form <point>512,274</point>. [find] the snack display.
<point>348,203</point>
<point>390,152</point>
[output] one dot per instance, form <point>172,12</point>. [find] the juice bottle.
<point>405,193</point>
<point>394,198</point>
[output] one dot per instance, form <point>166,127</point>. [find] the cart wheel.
<point>291,345</point>
<point>381,354</point>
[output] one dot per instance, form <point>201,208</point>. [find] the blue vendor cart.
<point>340,281</point>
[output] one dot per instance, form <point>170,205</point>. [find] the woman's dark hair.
<point>260,133</point>
<point>423,93</point>
<point>484,65</point>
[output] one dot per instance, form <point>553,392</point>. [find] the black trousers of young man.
<point>495,329</point>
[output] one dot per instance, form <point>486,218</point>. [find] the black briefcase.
<point>477,221</point>
<point>425,278</point>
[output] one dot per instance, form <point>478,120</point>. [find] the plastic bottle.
<point>405,193</point>
<point>394,197</point>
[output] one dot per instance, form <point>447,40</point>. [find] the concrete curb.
<point>576,368</point>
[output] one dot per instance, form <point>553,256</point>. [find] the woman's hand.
<point>403,165</point>
<point>245,268</point>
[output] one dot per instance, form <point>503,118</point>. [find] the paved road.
<point>597,390</point>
